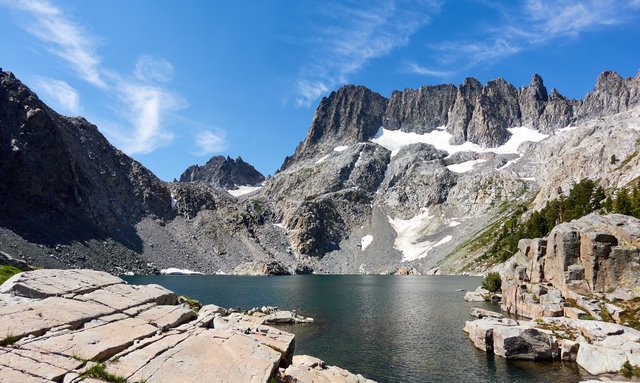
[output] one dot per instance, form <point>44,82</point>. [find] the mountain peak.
<point>223,172</point>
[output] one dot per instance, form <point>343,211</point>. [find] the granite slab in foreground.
<point>84,325</point>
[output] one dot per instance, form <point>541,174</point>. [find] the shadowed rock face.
<point>222,172</point>
<point>60,168</point>
<point>61,179</point>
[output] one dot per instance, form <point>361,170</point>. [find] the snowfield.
<point>464,166</point>
<point>394,140</point>
<point>410,231</point>
<point>176,271</point>
<point>242,190</point>
<point>366,241</point>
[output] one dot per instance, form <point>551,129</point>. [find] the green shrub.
<point>492,282</point>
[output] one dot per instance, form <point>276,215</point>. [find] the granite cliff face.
<point>225,173</point>
<point>376,184</point>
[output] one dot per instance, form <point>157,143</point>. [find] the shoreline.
<point>73,325</point>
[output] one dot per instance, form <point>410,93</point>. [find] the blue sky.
<point>173,83</point>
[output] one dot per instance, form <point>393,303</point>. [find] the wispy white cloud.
<point>474,52</point>
<point>412,67</point>
<point>354,35</point>
<point>61,94</point>
<point>532,24</point>
<point>64,38</point>
<point>210,142</point>
<point>147,108</point>
<point>143,104</point>
<point>150,68</point>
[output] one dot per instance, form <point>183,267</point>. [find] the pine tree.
<point>598,198</point>
<point>607,205</point>
<point>622,203</point>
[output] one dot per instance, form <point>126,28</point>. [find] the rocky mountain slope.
<point>409,180</point>
<point>66,189</point>
<point>224,172</point>
<point>70,199</point>
<point>414,180</point>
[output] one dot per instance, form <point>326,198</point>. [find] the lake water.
<point>388,328</point>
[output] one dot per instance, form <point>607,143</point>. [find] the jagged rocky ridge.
<point>470,112</point>
<point>353,198</point>
<point>224,172</point>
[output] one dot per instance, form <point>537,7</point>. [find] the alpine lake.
<point>387,328</point>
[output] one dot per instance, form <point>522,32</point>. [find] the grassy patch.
<point>9,340</point>
<point>630,371</point>
<point>98,371</point>
<point>558,330</point>
<point>194,304</point>
<point>606,315</point>
<point>7,272</point>
<point>631,314</point>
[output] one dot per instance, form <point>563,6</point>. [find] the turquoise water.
<point>388,328</point>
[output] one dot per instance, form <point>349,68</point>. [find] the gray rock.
<point>350,115</point>
<point>527,344</point>
<point>222,172</point>
<point>494,111</point>
<point>460,115</point>
<point>419,110</point>
<point>482,313</point>
<point>260,268</point>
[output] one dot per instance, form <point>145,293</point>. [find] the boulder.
<point>599,360</point>
<point>482,313</point>
<point>309,369</point>
<point>479,295</point>
<point>261,268</point>
<point>47,283</point>
<point>524,343</point>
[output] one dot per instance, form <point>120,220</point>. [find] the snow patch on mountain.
<point>394,140</point>
<point>464,166</point>
<point>366,241</point>
<point>177,271</point>
<point>244,189</point>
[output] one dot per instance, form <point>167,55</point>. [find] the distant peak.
<point>608,77</point>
